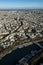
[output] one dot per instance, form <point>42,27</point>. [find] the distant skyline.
<point>21,4</point>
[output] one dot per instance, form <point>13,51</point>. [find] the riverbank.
<point>13,47</point>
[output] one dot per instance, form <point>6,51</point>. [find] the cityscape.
<point>21,33</point>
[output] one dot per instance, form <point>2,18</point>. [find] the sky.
<point>21,4</point>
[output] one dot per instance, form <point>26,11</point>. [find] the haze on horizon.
<point>21,4</point>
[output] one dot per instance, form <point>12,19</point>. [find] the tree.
<point>33,31</point>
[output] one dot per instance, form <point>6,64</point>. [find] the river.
<point>13,57</point>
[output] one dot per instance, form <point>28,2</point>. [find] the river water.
<point>13,57</point>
